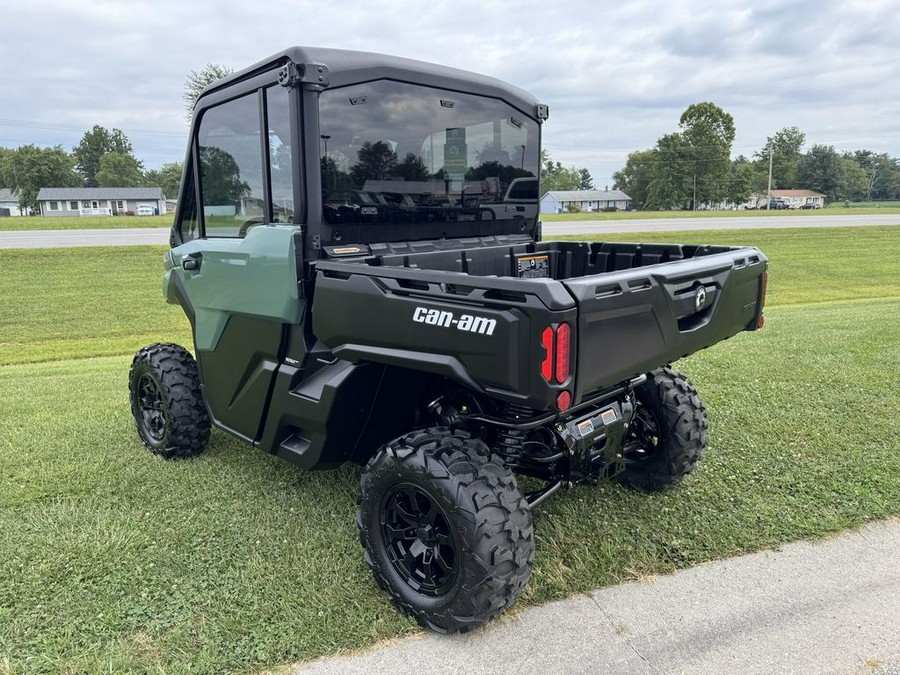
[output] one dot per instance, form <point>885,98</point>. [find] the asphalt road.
<point>822,607</point>
<point>160,236</point>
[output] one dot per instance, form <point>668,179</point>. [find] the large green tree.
<point>221,177</point>
<point>635,177</point>
<point>28,168</point>
<point>412,168</point>
<point>168,177</point>
<point>375,161</point>
<point>882,173</point>
<point>198,80</point>
<point>824,170</point>
<point>4,154</point>
<point>118,169</point>
<point>586,181</point>
<point>707,133</point>
<point>786,146</point>
<point>673,179</point>
<point>688,167</point>
<point>740,185</point>
<point>555,177</point>
<point>93,145</point>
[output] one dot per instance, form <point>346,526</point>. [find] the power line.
<point>55,126</point>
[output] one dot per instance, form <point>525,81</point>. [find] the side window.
<point>231,176</point>
<point>281,175</point>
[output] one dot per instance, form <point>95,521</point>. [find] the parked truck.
<point>357,248</point>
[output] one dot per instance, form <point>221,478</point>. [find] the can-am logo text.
<point>444,319</point>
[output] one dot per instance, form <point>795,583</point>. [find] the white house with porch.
<point>9,204</point>
<point>559,201</point>
<point>111,201</point>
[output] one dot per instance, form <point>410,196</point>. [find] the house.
<point>99,201</point>
<point>584,200</point>
<point>793,198</point>
<point>9,204</point>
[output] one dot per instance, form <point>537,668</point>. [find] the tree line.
<point>102,158</point>
<point>692,167</point>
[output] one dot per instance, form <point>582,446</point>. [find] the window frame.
<point>260,89</point>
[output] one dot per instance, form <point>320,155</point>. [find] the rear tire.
<point>167,402</point>
<point>671,424</point>
<point>446,531</point>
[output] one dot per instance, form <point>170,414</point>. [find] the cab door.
<point>237,279</point>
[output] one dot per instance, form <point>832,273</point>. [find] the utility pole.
<point>769,189</point>
<point>694,201</point>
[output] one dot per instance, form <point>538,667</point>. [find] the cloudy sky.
<point>615,75</point>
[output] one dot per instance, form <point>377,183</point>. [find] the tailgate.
<point>632,321</point>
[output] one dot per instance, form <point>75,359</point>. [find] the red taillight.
<point>562,352</point>
<point>556,366</point>
<point>547,363</point>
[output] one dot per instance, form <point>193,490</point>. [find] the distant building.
<point>9,204</point>
<point>793,198</point>
<point>100,201</point>
<point>559,201</point>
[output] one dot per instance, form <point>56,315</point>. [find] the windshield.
<point>393,152</point>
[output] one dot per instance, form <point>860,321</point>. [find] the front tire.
<point>446,531</point>
<point>167,402</point>
<point>670,424</point>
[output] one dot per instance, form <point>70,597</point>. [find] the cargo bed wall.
<point>634,307</point>
<point>567,260</point>
<point>635,320</point>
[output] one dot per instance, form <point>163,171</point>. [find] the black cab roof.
<point>322,68</point>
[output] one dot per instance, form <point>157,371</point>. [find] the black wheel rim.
<point>644,434</point>
<point>152,408</point>
<point>419,541</point>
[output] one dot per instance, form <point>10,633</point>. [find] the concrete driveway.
<point>819,607</point>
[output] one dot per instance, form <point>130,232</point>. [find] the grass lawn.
<point>114,560</point>
<point>84,222</point>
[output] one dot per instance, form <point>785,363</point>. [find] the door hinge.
<point>313,74</point>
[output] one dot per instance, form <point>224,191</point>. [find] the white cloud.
<point>616,77</point>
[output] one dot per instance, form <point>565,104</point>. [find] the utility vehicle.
<point>358,249</point>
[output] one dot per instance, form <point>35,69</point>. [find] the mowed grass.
<point>63,303</point>
<point>83,222</point>
<point>114,560</point>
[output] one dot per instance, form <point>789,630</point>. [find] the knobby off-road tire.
<point>446,531</point>
<point>166,401</point>
<point>670,422</point>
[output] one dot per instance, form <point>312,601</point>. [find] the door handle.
<point>191,264</point>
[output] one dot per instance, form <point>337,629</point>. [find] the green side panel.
<point>254,276</point>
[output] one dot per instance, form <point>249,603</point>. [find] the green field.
<point>114,560</point>
<point>84,222</point>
